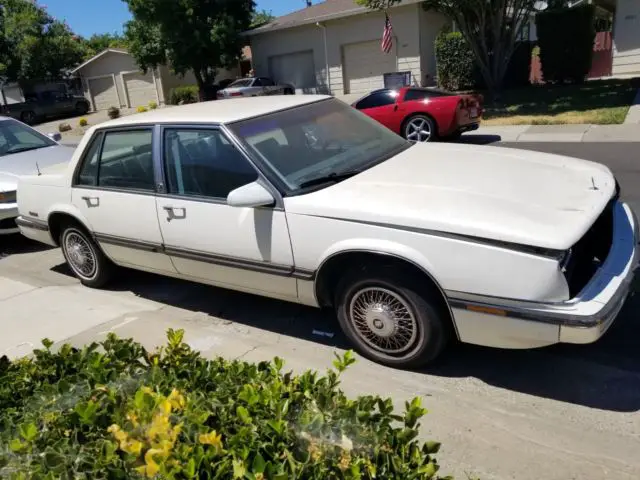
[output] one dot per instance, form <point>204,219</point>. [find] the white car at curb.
<point>23,151</point>
<point>305,199</point>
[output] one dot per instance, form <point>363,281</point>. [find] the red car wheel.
<point>420,129</point>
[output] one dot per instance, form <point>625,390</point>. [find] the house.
<point>335,47</point>
<point>112,78</point>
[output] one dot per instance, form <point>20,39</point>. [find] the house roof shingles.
<point>324,11</point>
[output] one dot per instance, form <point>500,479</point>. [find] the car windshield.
<point>16,137</point>
<point>323,140</point>
<point>244,82</point>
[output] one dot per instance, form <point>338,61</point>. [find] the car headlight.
<point>8,197</point>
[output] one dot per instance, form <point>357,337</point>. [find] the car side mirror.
<point>55,136</point>
<point>251,195</point>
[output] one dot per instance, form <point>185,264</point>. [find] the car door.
<point>245,249</point>
<point>114,191</point>
<point>47,104</point>
<point>63,103</point>
<point>382,106</point>
<point>270,88</point>
<point>258,88</point>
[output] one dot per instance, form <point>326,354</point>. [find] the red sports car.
<point>423,114</point>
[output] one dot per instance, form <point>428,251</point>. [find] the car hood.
<point>502,194</point>
<point>43,160</point>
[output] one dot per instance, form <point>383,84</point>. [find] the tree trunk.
<point>201,84</point>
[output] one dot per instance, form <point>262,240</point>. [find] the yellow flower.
<point>165,407</point>
<point>211,438</point>
<point>147,390</point>
<point>133,418</point>
<point>345,461</point>
<point>159,426</point>
<point>151,467</point>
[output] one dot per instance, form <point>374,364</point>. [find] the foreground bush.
<point>113,112</point>
<point>116,411</point>
<point>183,95</point>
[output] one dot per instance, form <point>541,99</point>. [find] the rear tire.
<point>391,319</point>
<point>82,108</point>
<point>84,256</point>
<point>420,129</point>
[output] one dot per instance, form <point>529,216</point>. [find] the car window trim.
<point>104,131</point>
<point>227,135</point>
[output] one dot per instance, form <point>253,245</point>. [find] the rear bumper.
<point>8,214</point>
<point>584,319</point>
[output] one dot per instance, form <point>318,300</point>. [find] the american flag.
<point>387,36</point>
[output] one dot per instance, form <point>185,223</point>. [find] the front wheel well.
<point>57,220</point>
<point>335,267</point>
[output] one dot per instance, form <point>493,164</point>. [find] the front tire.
<point>420,129</point>
<point>391,319</point>
<point>84,257</point>
<point>82,108</point>
<point>28,117</point>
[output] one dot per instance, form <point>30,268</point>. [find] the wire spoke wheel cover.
<point>383,320</point>
<point>418,130</point>
<point>80,255</point>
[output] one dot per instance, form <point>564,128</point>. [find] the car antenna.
<point>38,169</point>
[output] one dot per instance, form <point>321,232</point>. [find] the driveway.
<point>567,412</point>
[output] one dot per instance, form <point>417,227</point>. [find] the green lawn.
<point>601,102</point>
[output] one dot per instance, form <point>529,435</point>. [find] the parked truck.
<point>42,105</point>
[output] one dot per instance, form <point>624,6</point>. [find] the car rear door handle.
<point>175,213</point>
<point>92,202</point>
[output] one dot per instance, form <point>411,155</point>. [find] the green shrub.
<point>113,112</point>
<point>182,95</point>
<point>83,122</point>
<point>153,105</point>
<point>566,39</point>
<point>455,62</point>
<point>114,410</point>
<point>142,109</point>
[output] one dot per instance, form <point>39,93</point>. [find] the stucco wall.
<point>366,27</point>
<point>626,38</point>
<point>430,26</point>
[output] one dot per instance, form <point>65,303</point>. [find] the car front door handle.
<point>175,213</point>
<point>92,202</point>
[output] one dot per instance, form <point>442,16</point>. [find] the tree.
<point>36,46</point>
<point>491,27</point>
<point>201,36</point>
<point>261,18</point>
<point>98,42</point>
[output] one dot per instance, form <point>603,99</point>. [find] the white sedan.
<point>255,87</point>
<point>23,151</point>
<point>305,199</point>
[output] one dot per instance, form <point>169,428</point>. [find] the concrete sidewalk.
<point>556,133</point>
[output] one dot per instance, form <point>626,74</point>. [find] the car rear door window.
<point>377,99</point>
<point>203,163</point>
<point>124,161</point>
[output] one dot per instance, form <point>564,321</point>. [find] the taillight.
<point>236,94</point>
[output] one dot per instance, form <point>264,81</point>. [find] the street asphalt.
<point>560,413</point>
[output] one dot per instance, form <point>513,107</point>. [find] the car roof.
<point>217,111</point>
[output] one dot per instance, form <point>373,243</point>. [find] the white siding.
<point>367,27</point>
<point>364,65</point>
<point>626,38</point>
<point>103,93</point>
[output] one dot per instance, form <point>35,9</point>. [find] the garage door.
<point>140,88</point>
<point>364,66</point>
<point>103,92</point>
<point>295,68</point>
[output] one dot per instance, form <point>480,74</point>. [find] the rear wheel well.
<point>333,269</point>
<point>57,221</point>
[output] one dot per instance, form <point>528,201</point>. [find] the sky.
<point>87,17</point>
